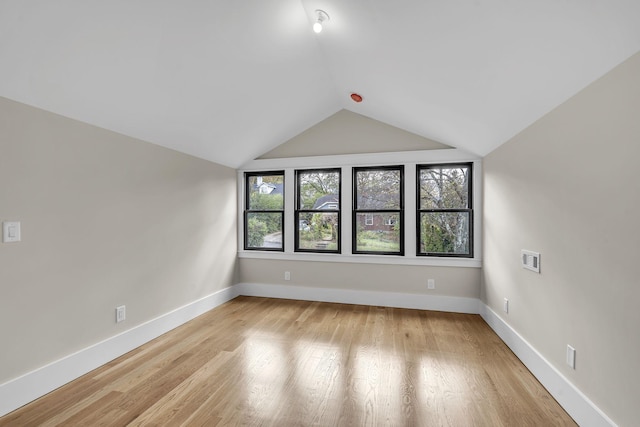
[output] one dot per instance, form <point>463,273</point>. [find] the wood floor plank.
<point>269,362</point>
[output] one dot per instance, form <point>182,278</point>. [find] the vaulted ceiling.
<point>230,80</point>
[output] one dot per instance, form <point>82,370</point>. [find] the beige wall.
<point>411,279</point>
<point>569,187</point>
<point>106,220</point>
<point>347,132</point>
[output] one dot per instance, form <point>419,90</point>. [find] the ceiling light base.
<point>321,17</point>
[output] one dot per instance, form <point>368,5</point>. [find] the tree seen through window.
<point>318,210</point>
<point>378,208</point>
<point>264,214</point>
<point>444,210</point>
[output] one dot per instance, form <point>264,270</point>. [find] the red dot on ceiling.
<point>356,97</point>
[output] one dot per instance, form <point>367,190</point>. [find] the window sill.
<point>363,259</point>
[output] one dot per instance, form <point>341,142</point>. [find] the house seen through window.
<point>378,209</point>
<point>444,213</point>
<point>318,210</point>
<point>264,211</point>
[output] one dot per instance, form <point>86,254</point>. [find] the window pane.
<point>319,190</point>
<point>444,188</point>
<point>444,232</point>
<point>265,192</point>
<point>368,219</point>
<point>264,230</point>
<point>378,189</point>
<point>375,234</point>
<point>318,231</point>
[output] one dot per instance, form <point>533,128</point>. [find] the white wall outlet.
<point>505,305</point>
<point>530,260</point>
<point>571,356</point>
<point>10,231</point>
<point>287,275</point>
<point>121,313</point>
<point>431,284</point>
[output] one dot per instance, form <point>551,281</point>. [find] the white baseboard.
<point>30,386</point>
<point>347,296</point>
<point>581,409</point>
<point>577,405</point>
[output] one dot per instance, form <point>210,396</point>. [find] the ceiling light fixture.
<point>321,17</point>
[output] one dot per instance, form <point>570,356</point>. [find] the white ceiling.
<point>230,80</point>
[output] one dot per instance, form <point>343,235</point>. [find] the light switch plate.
<point>571,357</point>
<point>10,231</point>
<point>121,313</point>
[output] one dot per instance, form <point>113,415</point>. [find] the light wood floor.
<point>270,362</point>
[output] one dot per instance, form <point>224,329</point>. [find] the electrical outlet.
<point>431,284</point>
<point>121,313</point>
<point>287,275</point>
<point>505,306</point>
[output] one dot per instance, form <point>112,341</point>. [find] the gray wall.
<point>569,187</point>
<point>106,220</point>
<point>409,279</point>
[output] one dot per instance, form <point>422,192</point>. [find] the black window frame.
<point>355,210</point>
<point>247,211</point>
<point>298,211</point>
<point>468,210</point>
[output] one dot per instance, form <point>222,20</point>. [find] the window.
<point>445,214</point>
<point>378,200</point>
<point>264,211</point>
<point>368,219</point>
<point>317,210</point>
<point>390,221</point>
<point>307,224</point>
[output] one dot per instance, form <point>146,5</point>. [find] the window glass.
<point>378,189</point>
<point>377,219</point>
<point>443,222</point>
<point>264,213</point>
<point>445,232</point>
<point>266,192</point>
<point>444,187</point>
<point>318,210</point>
<point>444,210</point>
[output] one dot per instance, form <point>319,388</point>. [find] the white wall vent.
<point>530,260</point>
